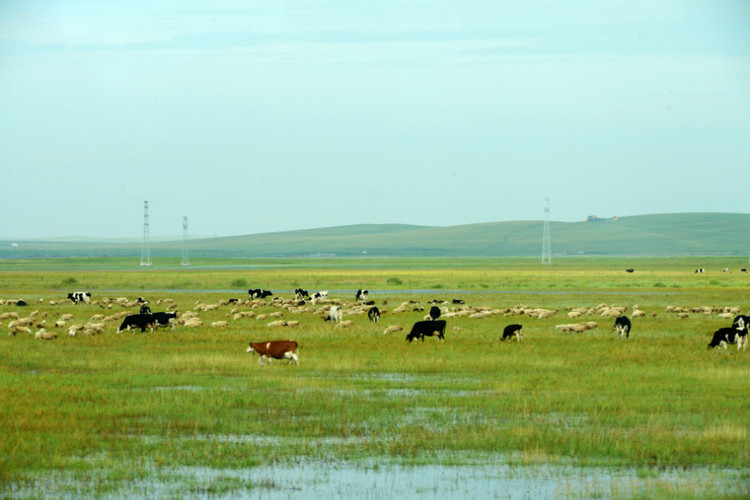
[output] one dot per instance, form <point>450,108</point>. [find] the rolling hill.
<point>687,234</point>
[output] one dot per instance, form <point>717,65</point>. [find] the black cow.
<point>434,313</point>
<point>141,321</point>
<point>724,336</point>
<point>361,295</point>
<point>511,331</point>
<point>77,297</point>
<point>629,270</point>
<point>374,314</point>
<point>622,325</point>
<point>164,319</point>
<point>422,329</point>
<point>258,293</point>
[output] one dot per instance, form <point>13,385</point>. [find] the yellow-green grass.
<point>193,397</point>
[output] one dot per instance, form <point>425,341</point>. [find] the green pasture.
<point>102,411</point>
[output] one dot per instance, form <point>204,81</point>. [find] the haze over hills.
<point>703,234</point>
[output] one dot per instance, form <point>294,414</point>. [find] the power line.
<point>146,245</point>
<point>185,260</point>
<point>546,245</point>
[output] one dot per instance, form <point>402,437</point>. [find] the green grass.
<point>137,403</point>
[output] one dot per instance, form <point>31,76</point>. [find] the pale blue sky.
<point>253,117</point>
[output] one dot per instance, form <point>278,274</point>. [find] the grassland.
<point>665,235</point>
<point>100,412</point>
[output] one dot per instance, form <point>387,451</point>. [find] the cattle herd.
<point>433,324</point>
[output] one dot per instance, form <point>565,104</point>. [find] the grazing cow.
<point>741,323</point>
<point>361,295</point>
<point>434,313</point>
<point>724,336</point>
<point>629,270</point>
<point>275,349</point>
<point>316,296</point>
<point>622,325</point>
<point>422,329</point>
<point>145,309</point>
<point>141,321</point>
<point>374,314</point>
<point>511,331</point>
<point>258,293</point>
<point>744,269</point>
<point>164,319</point>
<point>301,294</point>
<point>77,297</point>
<point>335,314</point>
<point>700,270</point>
<point>457,301</point>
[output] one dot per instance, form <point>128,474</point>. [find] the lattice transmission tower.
<point>546,246</point>
<point>185,260</point>
<point>146,245</point>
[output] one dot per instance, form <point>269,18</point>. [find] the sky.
<point>252,116</point>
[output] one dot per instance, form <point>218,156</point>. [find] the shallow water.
<point>322,480</point>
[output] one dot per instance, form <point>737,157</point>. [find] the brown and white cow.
<point>275,349</point>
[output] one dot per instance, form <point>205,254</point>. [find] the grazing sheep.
<point>393,329</point>
<point>19,329</point>
<point>344,324</point>
<point>43,334</point>
<point>74,329</point>
<point>219,324</point>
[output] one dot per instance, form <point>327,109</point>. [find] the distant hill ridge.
<point>686,234</point>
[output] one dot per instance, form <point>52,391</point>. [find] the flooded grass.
<point>315,480</point>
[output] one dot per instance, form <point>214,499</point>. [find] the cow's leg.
<point>291,356</point>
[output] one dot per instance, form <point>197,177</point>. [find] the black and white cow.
<point>511,331</point>
<point>140,321</point>
<point>258,293</point>
<point>316,296</point>
<point>335,314</point>
<point>361,295</point>
<point>724,336</point>
<point>422,329</point>
<point>741,323</point>
<point>145,309</point>
<point>164,319</point>
<point>700,270</point>
<point>300,294</point>
<point>77,297</point>
<point>622,326</point>
<point>374,314</point>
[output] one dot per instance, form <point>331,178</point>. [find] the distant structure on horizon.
<point>185,260</point>
<point>546,245</point>
<point>146,245</point>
